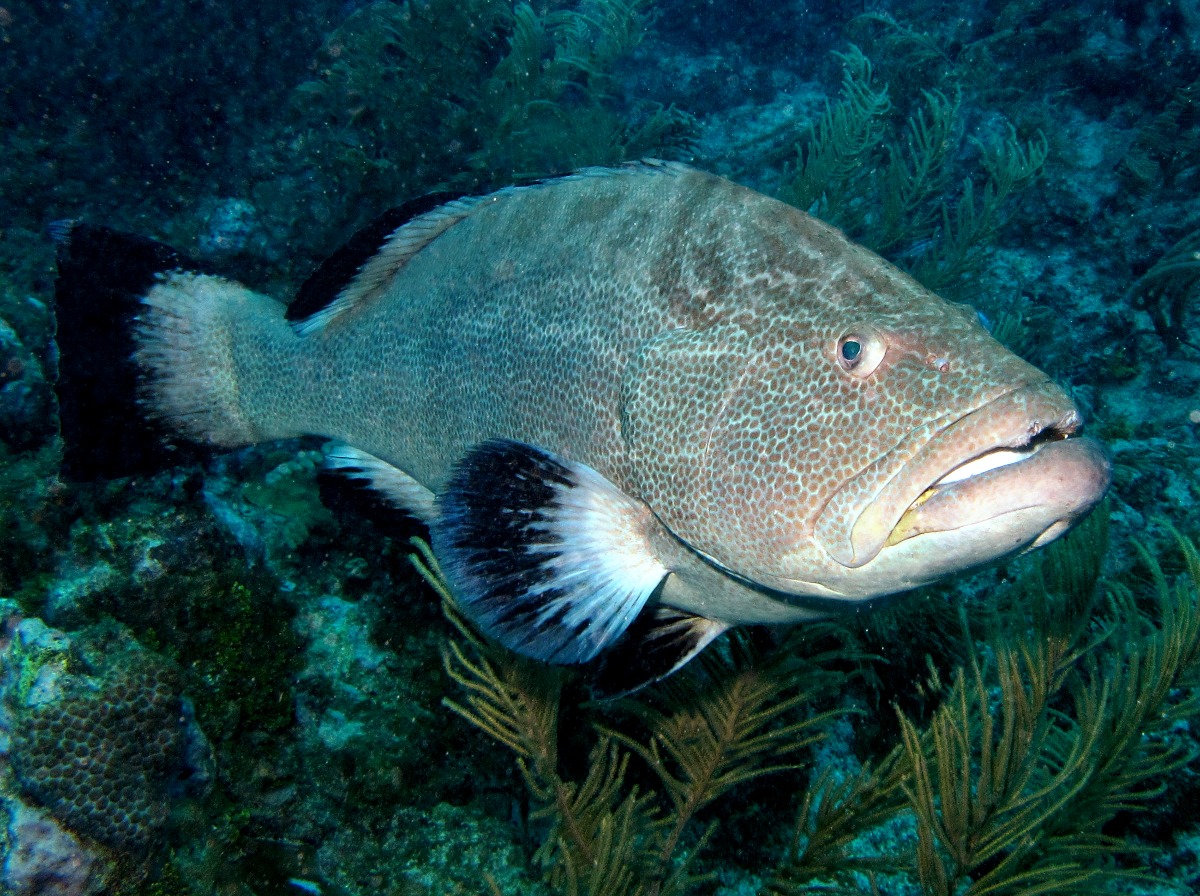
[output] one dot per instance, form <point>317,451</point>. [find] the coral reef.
<point>444,849</point>
<point>100,761</point>
<point>288,493</point>
<point>98,747</point>
<point>100,737</point>
<point>34,508</point>
<point>25,398</point>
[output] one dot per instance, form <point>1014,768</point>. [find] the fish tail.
<point>152,347</point>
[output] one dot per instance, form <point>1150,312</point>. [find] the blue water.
<point>222,674</point>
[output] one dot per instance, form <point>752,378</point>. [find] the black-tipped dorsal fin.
<point>658,643</point>
<point>360,269</point>
<point>544,554</point>
<point>356,272</point>
<point>389,482</point>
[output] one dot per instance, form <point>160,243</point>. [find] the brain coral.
<point>102,756</point>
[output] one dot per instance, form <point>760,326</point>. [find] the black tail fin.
<point>102,276</point>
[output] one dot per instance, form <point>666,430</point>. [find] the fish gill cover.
<point>1029,728</point>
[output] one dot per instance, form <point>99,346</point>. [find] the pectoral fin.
<point>544,554</point>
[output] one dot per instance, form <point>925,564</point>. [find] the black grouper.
<point>635,406</point>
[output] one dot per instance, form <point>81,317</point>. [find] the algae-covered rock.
<point>449,849</point>
<point>365,722</point>
<point>42,858</point>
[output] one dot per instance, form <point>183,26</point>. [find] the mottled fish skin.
<point>677,333</point>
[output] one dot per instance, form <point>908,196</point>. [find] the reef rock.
<point>25,396</point>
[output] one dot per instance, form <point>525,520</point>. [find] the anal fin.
<point>389,482</point>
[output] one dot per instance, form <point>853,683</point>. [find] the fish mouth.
<point>1054,479</point>
<point>1011,474</point>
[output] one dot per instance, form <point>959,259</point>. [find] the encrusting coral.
<point>101,738</point>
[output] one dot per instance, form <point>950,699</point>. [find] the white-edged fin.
<point>544,554</point>
<point>392,483</point>
<point>659,643</point>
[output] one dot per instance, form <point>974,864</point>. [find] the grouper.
<point>634,406</point>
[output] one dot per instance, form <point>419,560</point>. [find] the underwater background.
<point>232,678</point>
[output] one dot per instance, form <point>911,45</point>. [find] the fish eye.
<point>860,352</point>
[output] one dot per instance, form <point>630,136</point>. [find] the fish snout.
<point>1011,474</point>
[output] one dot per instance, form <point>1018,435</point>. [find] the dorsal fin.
<point>361,268</point>
<point>336,271</point>
<point>356,271</point>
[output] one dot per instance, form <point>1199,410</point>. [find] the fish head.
<point>848,434</point>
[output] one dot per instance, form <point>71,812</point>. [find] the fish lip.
<point>973,521</point>
<point>1022,446</point>
<point>1011,419</point>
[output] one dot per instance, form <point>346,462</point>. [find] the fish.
<point>635,406</point>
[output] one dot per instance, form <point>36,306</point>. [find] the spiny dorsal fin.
<point>544,554</point>
<point>360,269</point>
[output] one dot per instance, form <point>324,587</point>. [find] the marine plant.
<point>1167,145</point>
<point>601,836</point>
<point>551,101</point>
<point>1167,290</point>
<point>464,96</point>
<point>884,179</point>
<point>1064,714</point>
<point>1147,464</point>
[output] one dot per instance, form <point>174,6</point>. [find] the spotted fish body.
<point>640,404</point>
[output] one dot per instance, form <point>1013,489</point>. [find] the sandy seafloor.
<point>226,678</point>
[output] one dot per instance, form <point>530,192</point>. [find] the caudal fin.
<point>102,277</point>
<point>146,342</point>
